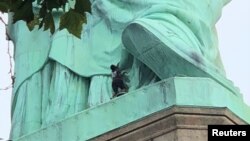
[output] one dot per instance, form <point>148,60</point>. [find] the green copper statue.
<point>60,75</point>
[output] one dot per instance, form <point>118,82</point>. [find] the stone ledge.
<point>169,121</point>
<point>137,105</point>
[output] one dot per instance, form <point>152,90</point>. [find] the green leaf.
<point>33,23</point>
<point>22,11</point>
<point>83,6</point>
<point>72,21</point>
<point>53,4</point>
<point>42,12</point>
<point>4,6</point>
<point>49,23</point>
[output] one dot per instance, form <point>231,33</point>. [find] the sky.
<point>234,44</point>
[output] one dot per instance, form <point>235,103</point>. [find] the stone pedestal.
<point>175,109</point>
<point>173,124</point>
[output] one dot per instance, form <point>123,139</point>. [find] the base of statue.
<point>178,108</point>
<point>175,123</point>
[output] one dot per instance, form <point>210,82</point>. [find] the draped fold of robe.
<point>55,73</point>
<point>56,76</point>
<point>183,25</point>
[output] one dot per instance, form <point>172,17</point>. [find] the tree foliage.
<point>4,5</point>
<point>71,19</point>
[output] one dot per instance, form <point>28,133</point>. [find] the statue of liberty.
<point>60,75</point>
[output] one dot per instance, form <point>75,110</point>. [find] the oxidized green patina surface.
<point>59,75</point>
<point>178,91</point>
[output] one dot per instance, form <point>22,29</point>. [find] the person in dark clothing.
<point>118,84</point>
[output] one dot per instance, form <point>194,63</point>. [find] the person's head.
<point>113,67</point>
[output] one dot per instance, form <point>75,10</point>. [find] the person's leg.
<point>115,87</point>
